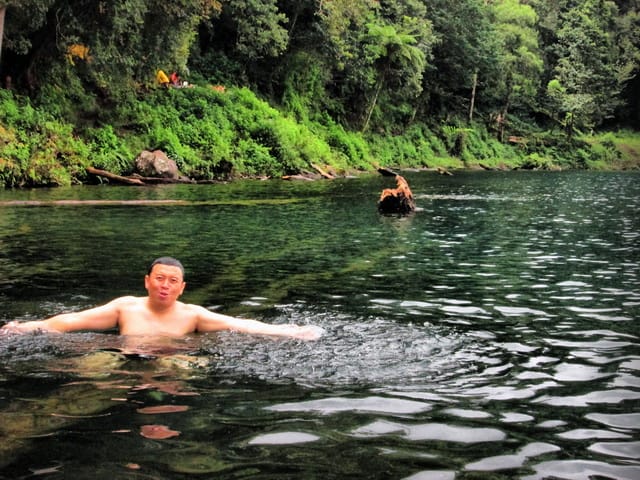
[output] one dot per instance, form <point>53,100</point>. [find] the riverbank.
<point>215,134</point>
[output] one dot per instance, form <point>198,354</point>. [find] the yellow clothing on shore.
<point>162,78</point>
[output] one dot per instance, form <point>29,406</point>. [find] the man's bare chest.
<point>139,321</point>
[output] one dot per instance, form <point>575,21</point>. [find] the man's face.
<point>165,283</point>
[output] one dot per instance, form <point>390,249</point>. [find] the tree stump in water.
<point>397,200</point>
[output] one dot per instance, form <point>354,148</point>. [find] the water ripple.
<point>431,431</point>
<point>582,470</point>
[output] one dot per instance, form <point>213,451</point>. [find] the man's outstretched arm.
<point>209,321</point>
<point>103,317</point>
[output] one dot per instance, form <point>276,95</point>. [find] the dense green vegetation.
<point>343,84</point>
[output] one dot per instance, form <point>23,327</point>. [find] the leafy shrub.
<point>35,148</point>
<point>13,154</point>
<point>603,154</point>
<point>67,98</point>
<point>255,159</point>
<point>455,139</point>
<point>167,140</point>
<point>350,149</point>
<point>536,161</point>
<point>108,151</point>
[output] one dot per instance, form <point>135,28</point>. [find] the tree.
<point>393,53</point>
<point>341,23</point>
<point>372,54</point>
<point>128,39</point>
<point>19,19</point>
<point>3,11</point>
<point>258,26</point>
<point>244,44</point>
<point>589,66</point>
<point>332,32</point>
<point>519,59</point>
<point>627,40</point>
<point>465,49</point>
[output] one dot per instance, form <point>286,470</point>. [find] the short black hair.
<point>166,261</point>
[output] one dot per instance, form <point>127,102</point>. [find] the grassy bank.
<point>233,134</point>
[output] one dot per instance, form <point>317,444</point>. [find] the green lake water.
<point>492,334</point>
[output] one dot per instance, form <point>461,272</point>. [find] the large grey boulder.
<point>156,164</point>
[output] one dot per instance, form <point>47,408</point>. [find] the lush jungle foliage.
<point>345,84</point>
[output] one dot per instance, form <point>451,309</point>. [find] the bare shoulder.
<point>193,309</point>
<point>128,301</point>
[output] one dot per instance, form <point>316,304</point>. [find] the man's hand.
<point>306,332</point>
<point>20,327</point>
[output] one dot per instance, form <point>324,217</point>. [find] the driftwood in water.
<point>136,179</point>
<point>397,200</point>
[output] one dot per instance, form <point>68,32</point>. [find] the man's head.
<point>165,281</point>
<point>166,261</point>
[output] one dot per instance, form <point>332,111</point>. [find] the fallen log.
<point>386,172</point>
<point>159,180</point>
<point>114,177</point>
<point>298,176</point>
<point>322,172</point>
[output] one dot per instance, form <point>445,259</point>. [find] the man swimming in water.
<point>159,313</point>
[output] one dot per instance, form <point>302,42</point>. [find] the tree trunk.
<point>2,12</point>
<point>473,95</point>
<point>503,116</point>
<point>294,19</point>
<point>505,110</point>
<point>373,104</point>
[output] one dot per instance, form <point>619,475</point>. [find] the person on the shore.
<point>174,78</point>
<point>162,78</point>
<point>160,313</point>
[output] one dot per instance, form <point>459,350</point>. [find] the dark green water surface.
<point>493,334</point>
